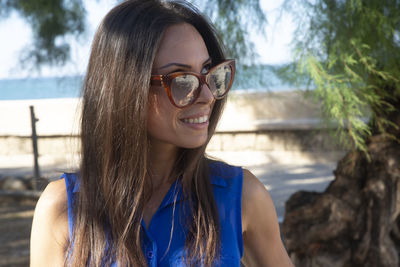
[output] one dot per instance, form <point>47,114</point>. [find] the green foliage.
<point>234,19</point>
<point>54,20</point>
<point>51,22</point>
<point>350,49</point>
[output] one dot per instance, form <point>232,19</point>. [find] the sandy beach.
<point>58,116</point>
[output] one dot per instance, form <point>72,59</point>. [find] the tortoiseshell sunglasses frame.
<point>166,80</point>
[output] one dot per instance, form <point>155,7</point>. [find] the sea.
<point>257,78</point>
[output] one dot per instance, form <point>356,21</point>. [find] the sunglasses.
<point>183,88</point>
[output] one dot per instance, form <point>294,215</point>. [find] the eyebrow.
<point>180,64</point>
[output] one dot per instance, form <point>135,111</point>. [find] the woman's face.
<point>182,49</point>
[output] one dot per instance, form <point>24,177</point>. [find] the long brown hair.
<point>113,189</point>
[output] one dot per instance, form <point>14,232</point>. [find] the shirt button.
<point>150,254</point>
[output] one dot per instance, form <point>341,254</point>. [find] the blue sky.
<point>273,49</point>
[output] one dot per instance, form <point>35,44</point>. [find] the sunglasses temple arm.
<point>156,80</point>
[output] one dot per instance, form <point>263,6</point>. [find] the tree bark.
<point>356,221</point>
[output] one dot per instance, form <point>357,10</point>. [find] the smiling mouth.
<point>197,120</point>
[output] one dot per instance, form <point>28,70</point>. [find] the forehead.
<point>181,43</point>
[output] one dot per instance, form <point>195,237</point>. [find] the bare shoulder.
<point>255,198</point>
<point>54,193</point>
<point>49,236</point>
<point>261,236</point>
<point>251,184</point>
<point>53,201</point>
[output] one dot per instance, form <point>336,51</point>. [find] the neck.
<point>162,157</point>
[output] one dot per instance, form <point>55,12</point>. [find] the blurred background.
<point>304,98</point>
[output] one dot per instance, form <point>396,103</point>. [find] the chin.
<point>192,144</point>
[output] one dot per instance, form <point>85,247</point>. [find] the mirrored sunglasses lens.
<point>183,89</point>
<point>219,80</point>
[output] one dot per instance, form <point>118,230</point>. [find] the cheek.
<point>161,116</point>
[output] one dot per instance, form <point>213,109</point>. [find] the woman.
<point>145,194</point>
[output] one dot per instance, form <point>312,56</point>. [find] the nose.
<point>205,95</point>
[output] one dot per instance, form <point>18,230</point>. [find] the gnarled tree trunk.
<point>356,221</point>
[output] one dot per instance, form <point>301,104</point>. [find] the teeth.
<point>196,120</point>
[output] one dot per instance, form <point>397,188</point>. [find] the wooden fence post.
<point>36,175</point>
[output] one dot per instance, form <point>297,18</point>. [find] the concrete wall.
<point>285,125</point>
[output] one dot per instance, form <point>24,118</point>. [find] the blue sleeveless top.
<point>227,183</point>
